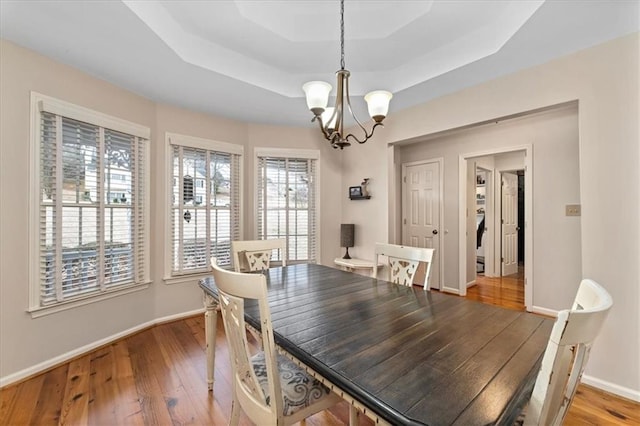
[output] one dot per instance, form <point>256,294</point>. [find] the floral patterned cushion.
<point>299,389</point>
<point>520,420</point>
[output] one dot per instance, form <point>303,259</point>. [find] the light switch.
<point>572,210</point>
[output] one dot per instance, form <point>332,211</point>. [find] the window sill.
<point>186,278</point>
<point>41,311</point>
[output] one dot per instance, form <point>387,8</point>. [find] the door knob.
<point>434,232</point>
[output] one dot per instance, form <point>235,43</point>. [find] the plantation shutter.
<point>205,208</point>
<point>287,204</point>
<point>92,209</point>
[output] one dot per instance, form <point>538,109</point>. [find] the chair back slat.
<point>403,262</point>
<point>255,255</point>
<point>566,355</point>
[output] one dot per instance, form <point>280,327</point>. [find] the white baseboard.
<point>45,365</point>
<point>451,290</point>
<point>544,311</point>
<point>631,394</point>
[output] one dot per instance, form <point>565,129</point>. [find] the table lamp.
<point>347,231</point>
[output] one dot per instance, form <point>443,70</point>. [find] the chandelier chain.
<point>342,34</point>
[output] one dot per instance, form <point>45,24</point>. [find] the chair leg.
<point>353,416</point>
<point>235,413</point>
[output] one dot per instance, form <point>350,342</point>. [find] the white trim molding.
<point>606,386</point>
<point>177,139</point>
<point>308,154</point>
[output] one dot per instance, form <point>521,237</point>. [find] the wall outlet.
<point>572,210</point>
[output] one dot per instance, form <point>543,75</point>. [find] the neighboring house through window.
<point>204,202</point>
<point>90,208</point>
<point>287,202</point>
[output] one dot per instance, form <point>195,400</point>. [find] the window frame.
<point>38,104</point>
<point>291,154</point>
<point>172,139</point>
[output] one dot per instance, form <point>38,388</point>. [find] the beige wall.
<point>604,80</point>
<point>26,344</point>
<point>24,341</point>
<point>171,299</point>
<point>553,136</point>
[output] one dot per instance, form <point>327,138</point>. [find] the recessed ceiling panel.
<point>221,58</point>
<point>278,45</point>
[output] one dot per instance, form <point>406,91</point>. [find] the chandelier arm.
<point>329,136</point>
<point>356,118</point>
<point>367,135</point>
<point>326,134</point>
<point>354,115</point>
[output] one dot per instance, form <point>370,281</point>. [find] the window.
<point>287,202</point>
<point>91,208</point>
<point>205,202</point>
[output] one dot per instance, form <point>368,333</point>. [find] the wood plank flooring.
<point>158,377</point>
<point>507,292</point>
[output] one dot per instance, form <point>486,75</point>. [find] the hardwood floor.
<point>507,292</point>
<point>158,377</point>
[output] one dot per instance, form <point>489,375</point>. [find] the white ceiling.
<point>248,59</point>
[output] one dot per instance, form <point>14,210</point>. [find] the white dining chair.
<point>255,255</point>
<point>270,388</point>
<point>403,262</point>
<point>566,356</point>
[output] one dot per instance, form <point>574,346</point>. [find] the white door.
<point>421,211</point>
<point>509,223</point>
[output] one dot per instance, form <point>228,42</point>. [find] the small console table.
<point>361,266</point>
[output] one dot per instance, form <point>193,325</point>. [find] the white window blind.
<point>92,209</point>
<point>287,204</point>
<point>205,207</point>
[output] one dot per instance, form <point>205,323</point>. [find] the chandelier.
<point>331,120</point>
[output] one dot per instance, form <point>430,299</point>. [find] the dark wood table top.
<point>412,357</point>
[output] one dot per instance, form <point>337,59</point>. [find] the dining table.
<point>401,355</point>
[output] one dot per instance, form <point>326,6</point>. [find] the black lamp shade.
<point>347,231</point>
<point>347,234</point>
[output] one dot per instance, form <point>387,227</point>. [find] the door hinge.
<point>405,221</point>
<point>404,179</point>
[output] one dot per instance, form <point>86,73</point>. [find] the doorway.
<point>482,199</point>
<point>495,241</point>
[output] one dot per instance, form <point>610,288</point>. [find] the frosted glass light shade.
<point>317,93</point>
<point>378,104</point>
<point>326,115</point>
